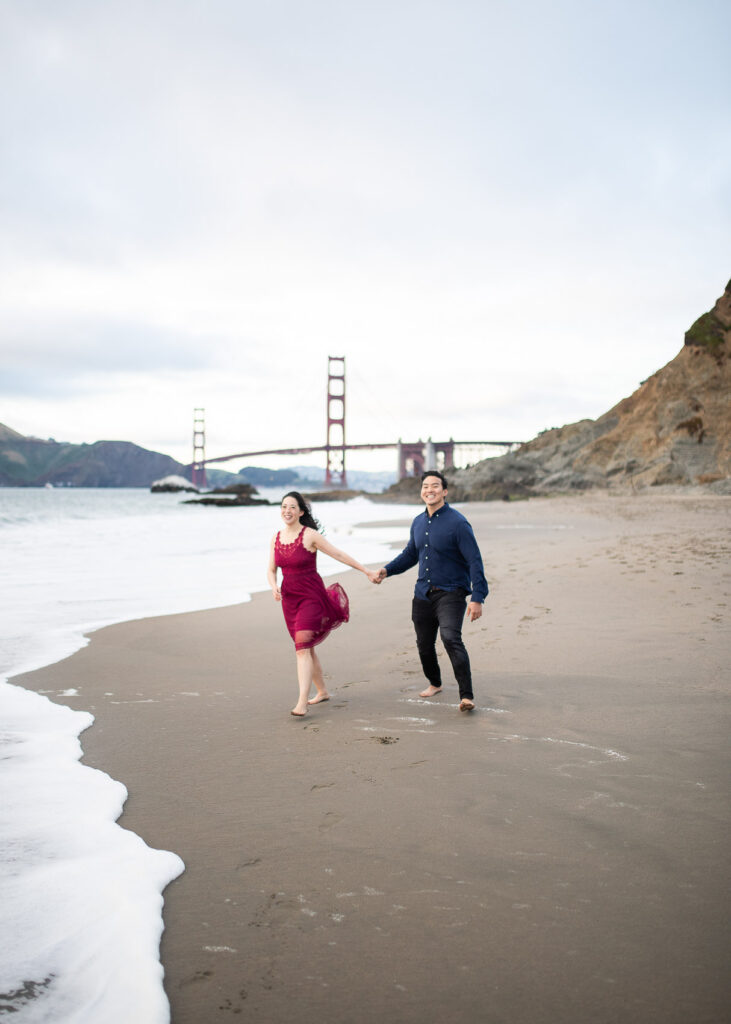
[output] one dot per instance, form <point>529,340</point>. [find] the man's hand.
<point>374,576</point>
<point>474,610</point>
<point>380,575</point>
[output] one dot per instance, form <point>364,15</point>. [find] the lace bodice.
<point>294,557</point>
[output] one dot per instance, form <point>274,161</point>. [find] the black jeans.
<point>443,611</point>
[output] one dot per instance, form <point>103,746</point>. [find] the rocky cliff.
<point>675,429</point>
<point>31,462</point>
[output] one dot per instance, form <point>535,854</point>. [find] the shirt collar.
<point>443,508</point>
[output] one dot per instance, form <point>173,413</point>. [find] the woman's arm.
<point>272,573</point>
<point>315,541</point>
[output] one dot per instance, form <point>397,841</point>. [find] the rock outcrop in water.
<point>229,497</point>
<point>675,429</point>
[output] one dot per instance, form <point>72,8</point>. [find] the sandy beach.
<point>560,855</point>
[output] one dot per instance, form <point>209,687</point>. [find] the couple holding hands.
<point>443,545</point>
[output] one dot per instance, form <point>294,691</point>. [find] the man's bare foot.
<point>298,711</point>
<point>319,698</point>
<point>430,691</point>
<point>466,704</point>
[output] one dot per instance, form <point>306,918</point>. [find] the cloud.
<point>504,216</point>
<point>45,356</point>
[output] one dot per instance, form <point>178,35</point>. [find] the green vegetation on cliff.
<point>710,330</point>
<point>707,332</point>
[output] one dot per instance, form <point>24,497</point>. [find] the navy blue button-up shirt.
<point>447,552</point>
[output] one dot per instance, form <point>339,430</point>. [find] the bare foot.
<point>430,691</point>
<point>298,712</point>
<point>319,698</point>
<point>466,704</point>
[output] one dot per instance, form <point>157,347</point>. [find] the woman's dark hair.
<point>435,472</point>
<point>307,519</point>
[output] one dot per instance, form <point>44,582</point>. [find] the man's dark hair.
<point>435,472</point>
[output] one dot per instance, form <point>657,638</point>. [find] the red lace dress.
<point>311,610</point>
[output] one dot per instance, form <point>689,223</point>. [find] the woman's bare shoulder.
<point>309,538</point>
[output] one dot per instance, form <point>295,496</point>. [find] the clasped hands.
<point>377,576</point>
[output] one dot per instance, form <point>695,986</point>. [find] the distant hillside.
<point>6,434</point>
<point>675,429</point>
<point>358,479</point>
<point>31,462</point>
<point>261,477</point>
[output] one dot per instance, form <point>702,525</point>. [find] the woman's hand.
<point>276,593</point>
<point>374,577</point>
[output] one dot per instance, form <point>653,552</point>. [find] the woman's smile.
<point>290,512</point>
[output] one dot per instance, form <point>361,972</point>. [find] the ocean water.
<point>81,898</point>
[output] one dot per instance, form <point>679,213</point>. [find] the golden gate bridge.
<point>413,457</point>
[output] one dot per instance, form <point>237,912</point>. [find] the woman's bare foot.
<point>430,691</point>
<point>319,698</point>
<point>298,711</point>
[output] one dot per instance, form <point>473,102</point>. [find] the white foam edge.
<point>81,896</point>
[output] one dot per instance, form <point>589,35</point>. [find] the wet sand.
<point>559,855</point>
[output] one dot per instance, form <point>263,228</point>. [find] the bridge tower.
<point>335,444</point>
<point>198,467</point>
<point>414,458</point>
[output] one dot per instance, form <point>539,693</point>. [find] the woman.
<point>311,610</point>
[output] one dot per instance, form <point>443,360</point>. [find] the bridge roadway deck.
<point>358,447</point>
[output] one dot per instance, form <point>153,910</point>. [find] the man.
<point>450,569</point>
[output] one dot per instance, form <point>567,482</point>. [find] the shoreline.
<point>387,855</point>
<point>73,634</point>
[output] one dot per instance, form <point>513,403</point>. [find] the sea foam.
<point>81,897</point>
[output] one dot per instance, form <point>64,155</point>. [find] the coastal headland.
<point>559,855</point>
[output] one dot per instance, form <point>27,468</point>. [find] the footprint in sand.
<point>330,820</point>
<point>249,863</point>
<point>198,976</point>
<point>231,1007</point>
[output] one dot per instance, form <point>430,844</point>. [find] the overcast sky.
<point>504,214</point>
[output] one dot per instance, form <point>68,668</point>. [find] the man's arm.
<point>471,554</point>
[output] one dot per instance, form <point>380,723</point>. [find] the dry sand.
<point>560,855</point>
